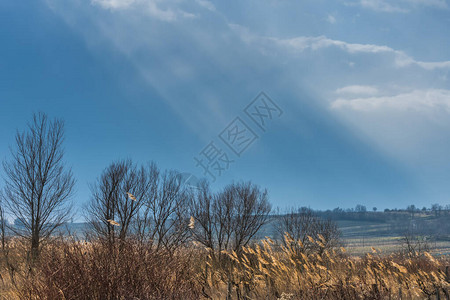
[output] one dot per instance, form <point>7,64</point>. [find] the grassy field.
<point>360,236</point>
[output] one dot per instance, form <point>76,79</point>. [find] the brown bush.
<point>130,270</point>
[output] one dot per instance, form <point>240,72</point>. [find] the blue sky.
<point>364,87</point>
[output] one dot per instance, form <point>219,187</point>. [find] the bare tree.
<point>230,219</point>
<point>224,218</point>
<point>118,197</point>
<point>38,185</point>
<point>302,223</point>
<point>436,208</point>
<point>128,200</point>
<point>412,210</point>
<point>203,213</point>
<point>252,210</point>
<point>4,236</point>
<point>168,212</point>
<point>298,224</point>
<point>414,242</point>
<point>2,224</point>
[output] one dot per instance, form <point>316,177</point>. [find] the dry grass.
<point>269,271</point>
<point>131,270</point>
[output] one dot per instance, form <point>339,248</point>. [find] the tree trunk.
<point>34,246</point>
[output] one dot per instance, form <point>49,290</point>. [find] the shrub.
<point>99,270</point>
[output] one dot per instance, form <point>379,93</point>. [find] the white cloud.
<point>302,43</point>
<point>402,6</point>
<point>206,4</point>
<point>114,4</point>
<point>164,15</point>
<point>433,65</point>
<point>315,43</point>
<point>331,19</point>
<point>379,5</point>
<point>151,7</point>
<point>357,90</point>
<point>417,100</point>
<point>411,126</point>
<point>435,3</point>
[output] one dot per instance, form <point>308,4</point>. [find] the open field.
<point>387,235</point>
<point>360,236</point>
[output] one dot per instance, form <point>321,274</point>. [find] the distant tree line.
<point>433,222</point>
<point>361,212</point>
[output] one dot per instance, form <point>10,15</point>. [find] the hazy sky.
<point>363,86</point>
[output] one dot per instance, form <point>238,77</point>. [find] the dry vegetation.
<point>69,269</point>
<point>152,238</point>
<point>97,270</point>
